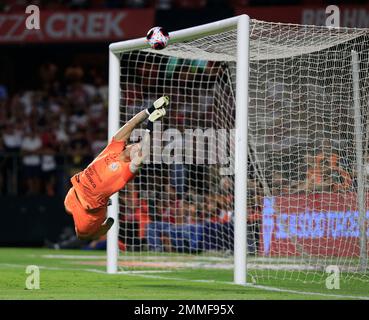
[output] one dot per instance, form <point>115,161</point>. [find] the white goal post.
<point>241,23</point>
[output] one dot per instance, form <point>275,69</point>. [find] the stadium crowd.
<point>54,131</point>
<point>51,132</point>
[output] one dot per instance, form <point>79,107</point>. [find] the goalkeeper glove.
<point>162,102</point>
<point>156,115</point>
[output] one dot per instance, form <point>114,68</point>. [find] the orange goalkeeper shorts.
<point>86,223</point>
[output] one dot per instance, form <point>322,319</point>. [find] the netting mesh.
<point>303,212</point>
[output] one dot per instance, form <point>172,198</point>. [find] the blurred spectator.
<point>225,200</point>
<point>280,185</point>
<point>169,204</point>
<point>77,92</point>
<point>316,176</point>
<point>324,171</point>
<point>211,212</point>
<point>133,219</point>
<point>61,136</point>
<point>78,119</point>
<point>79,151</point>
<point>217,232</point>
<point>99,142</point>
<point>157,232</point>
<point>254,222</point>
<point>3,92</point>
<point>341,181</point>
<point>12,138</point>
<point>31,148</point>
<point>48,74</point>
<point>3,161</point>
<point>185,235</point>
<point>164,4</point>
<point>96,111</point>
<point>327,156</point>
<point>191,213</point>
<point>101,87</point>
<point>48,161</point>
<point>11,143</point>
<point>178,174</point>
<point>148,72</point>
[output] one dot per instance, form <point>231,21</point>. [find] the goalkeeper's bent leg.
<point>103,229</point>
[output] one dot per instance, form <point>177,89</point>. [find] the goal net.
<point>307,153</point>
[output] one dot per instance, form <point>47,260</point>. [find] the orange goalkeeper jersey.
<point>103,177</point>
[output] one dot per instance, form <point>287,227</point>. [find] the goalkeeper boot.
<point>104,228</point>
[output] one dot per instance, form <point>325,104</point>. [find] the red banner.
<point>77,26</point>
<point>350,16</point>
<point>318,225</point>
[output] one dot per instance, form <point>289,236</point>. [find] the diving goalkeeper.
<point>113,168</point>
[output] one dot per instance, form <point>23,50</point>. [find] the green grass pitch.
<point>74,274</point>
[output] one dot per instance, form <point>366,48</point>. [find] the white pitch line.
<point>9,265</point>
<point>307,292</point>
<point>261,287</point>
<point>143,271</point>
<point>73,257</point>
<point>267,288</point>
<point>51,268</point>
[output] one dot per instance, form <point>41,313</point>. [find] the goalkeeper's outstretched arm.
<point>154,112</point>
<point>124,132</point>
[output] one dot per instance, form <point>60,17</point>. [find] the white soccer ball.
<point>157,38</point>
